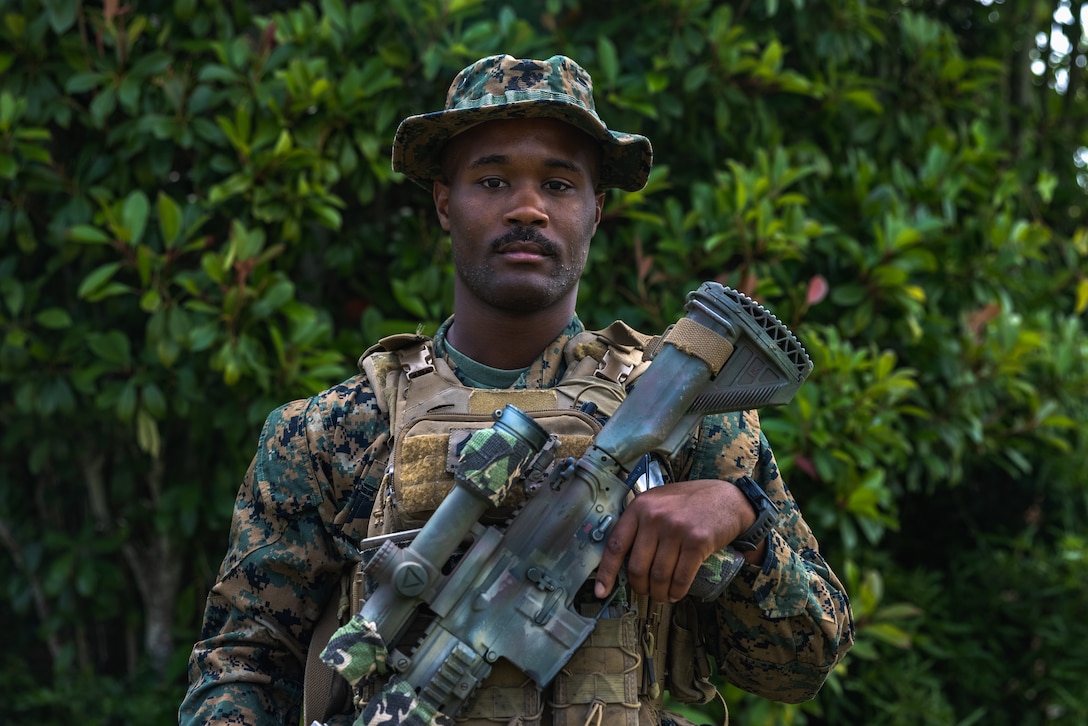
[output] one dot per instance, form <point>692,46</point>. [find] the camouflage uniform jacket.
<point>305,503</point>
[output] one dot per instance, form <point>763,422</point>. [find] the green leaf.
<point>656,81</point>
<point>9,110</point>
<point>169,219</point>
<point>33,134</point>
<point>898,611</point>
<point>54,318</point>
<point>864,100</point>
<point>219,73</point>
<point>154,400</point>
<point>97,279</point>
<point>847,295</point>
<point>608,60</point>
<point>889,634</point>
<point>233,185</point>
<point>86,580</point>
<point>335,11</point>
<point>134,214</point>
<point>147,434</point>
<point>112,347</point>
<point>1045,186</point>
<point>14,297</point>
<point>274,298</point>
<point>1082,297</point>
<point>283,144</point>
<point>151,64</point>
<point>150,301</point>
<point>128,92</point>
<point>8,167</point>
<point>328,216</point>
<point>62,14</point>
<point>203,336</point>
<point>185,9</point>
<point>88,234</point>
<point>696,77</point>
<point>32,153</point>
<point>16,24</point>
<point>102,105</point>
<point>771,60</point>
<point>83,82</point>
<point>126,402</point>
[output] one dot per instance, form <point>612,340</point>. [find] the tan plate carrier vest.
<point>615,678</point>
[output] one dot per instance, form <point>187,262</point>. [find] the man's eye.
<point>557,186</point>
<point>492,183</point>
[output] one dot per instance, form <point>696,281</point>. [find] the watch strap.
<point>766,515</point>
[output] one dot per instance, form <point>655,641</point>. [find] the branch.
<point>40,602</point>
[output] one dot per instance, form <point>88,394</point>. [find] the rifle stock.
<point>511,595</point>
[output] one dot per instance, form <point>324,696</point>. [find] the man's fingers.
<point>614,551</point>
<point>687,566</point>
<point>661,574</point>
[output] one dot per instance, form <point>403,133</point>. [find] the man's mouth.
<point>523,249</point>
<point>524,243</point>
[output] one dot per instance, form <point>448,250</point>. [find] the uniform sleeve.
<point>284,559</point>
<point>781,627</point>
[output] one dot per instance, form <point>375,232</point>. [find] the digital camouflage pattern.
<point>501,87</point>
<point>306,500</point>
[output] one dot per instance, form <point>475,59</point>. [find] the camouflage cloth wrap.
<point>504,87</point>
<point>398,705</point>
<point>490,461</point>
<point>715,574</point>
<point>356,650</point>
<point>305,503</point>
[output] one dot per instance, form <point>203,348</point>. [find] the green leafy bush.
<point>199,222</point>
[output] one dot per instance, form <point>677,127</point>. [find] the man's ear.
<point>441,194</point>
<point>599,199</point>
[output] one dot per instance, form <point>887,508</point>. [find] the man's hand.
<point>668,531</point>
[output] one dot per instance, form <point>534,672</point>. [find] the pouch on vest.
<point>600,683</point>
<point>689,663</point>
<point>426,452</point>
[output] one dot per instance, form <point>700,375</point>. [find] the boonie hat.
<point>503,87</point>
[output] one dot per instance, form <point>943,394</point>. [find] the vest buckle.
<point>416,362</point>
<point>611,368</point>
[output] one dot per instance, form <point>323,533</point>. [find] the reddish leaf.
<point>817,289</point>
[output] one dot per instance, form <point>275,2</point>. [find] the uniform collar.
<point>545,371</point>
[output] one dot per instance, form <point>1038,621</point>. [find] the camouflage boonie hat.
<point>501,87</point>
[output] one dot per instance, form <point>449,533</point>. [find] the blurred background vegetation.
<point>198,222</point>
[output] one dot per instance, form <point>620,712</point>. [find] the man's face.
<point>520,206</point>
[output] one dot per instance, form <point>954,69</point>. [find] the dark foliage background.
<point>199,222</point>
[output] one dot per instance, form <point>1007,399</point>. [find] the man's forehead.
<point>500,160</point>
<point>497,141</point>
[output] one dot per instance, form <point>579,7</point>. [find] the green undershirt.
<point>478,375</point>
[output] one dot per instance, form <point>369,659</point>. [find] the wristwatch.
<point>766,515</point>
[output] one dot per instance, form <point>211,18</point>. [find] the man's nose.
<point>527,208</point>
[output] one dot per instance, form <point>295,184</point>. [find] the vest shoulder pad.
<point>383,366</point>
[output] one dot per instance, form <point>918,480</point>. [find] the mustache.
<point>524,234</point>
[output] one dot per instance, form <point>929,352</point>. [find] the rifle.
<point>511,594</point>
